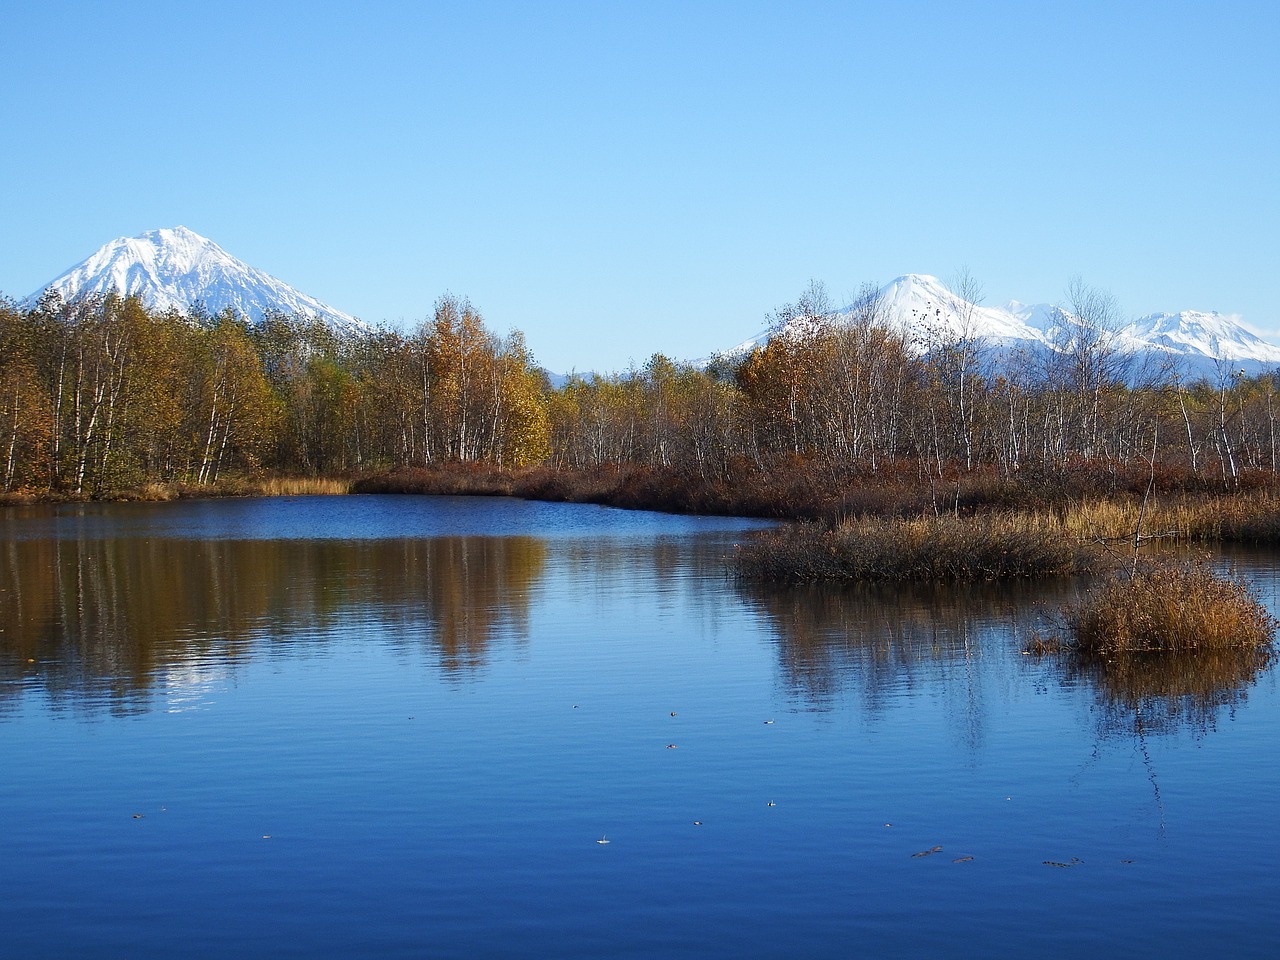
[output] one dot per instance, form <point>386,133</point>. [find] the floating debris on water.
<point>929,852</point>
<point>962,859</point>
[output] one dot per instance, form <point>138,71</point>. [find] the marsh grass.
<point>232,486</point>
<point>1169,608</point>
<point>1082,537</point>
<point>926,549</point>
<point>304,487</point>
<point>1248,517</point>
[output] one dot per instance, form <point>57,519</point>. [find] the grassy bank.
<point>899,523</point>
<point>942,548</point>
<point>162,492</point>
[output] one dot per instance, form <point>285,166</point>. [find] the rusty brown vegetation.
<point>1169,608</point>
<point>989,464</point>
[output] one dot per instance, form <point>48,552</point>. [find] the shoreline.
<point>894,525</point>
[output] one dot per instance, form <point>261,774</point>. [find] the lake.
<point>406,726</point>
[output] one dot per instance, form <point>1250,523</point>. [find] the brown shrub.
<point>1169,607</point>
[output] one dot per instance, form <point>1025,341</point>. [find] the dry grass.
<point>1169,607</point>
<point>1251,517</point>
<point>1044,645</point>
<point>927,549</point>
<point>304,487</point>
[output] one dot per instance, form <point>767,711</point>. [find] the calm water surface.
<point>398,726</point>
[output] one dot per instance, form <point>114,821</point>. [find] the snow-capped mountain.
<point>177,269</point>
<point>1195,344</point>
<point>922,307</point>
<point>1213,335</point>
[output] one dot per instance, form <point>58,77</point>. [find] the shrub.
<point>1169,607</point>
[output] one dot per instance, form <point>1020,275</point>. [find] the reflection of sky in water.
<point>434,730</point>
<point>370,517</point>
<point>194,685</point>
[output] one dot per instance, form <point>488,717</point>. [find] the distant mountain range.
<point>1196,343</point>
<point>179,269</point>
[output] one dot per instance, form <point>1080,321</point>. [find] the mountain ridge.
<point>922,308</point>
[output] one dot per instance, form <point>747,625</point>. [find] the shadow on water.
<point>108,620</point>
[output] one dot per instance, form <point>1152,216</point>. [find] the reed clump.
<point>1169,607</point>
<point>305,487</point>
<point>943,548</point>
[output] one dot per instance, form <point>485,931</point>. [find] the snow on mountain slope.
<point>178,268</point>
<point>920,305</point>
<point>1213,335</point>
<point>922,308</point>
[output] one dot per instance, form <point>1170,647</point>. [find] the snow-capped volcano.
<point>178,269</point>
<point>922,308</point>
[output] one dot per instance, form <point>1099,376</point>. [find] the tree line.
<point>99,394</point>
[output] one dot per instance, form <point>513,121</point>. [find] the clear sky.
<point>617,179</point>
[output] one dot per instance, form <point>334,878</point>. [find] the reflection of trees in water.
<point>876,641</point>
<point>1164,692</point>
<point>477,589</point>
<point>883,640</point>
<point>110,619</point>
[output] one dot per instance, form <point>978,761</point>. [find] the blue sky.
<point>620,179</point>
